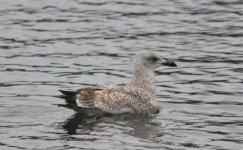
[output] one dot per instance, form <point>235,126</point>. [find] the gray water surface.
<point>52,44</point>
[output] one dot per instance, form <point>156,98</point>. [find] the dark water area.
<point>49,45</point>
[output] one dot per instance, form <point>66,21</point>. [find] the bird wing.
<point>113,99</point>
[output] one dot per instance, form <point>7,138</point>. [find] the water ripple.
<point>50,45</point>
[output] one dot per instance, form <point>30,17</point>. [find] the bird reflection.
<point>136,125</point>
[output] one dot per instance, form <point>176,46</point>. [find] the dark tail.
<point>69,96</point>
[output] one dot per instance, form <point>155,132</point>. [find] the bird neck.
<point>144,78</point>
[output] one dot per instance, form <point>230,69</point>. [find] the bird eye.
<point>153,59</point>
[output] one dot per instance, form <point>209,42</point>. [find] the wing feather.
<point>114,99</point>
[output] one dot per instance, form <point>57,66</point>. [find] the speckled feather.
<point>137,97</point>
<point>117,99</point>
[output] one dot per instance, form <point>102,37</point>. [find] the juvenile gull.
<point>137,97</point>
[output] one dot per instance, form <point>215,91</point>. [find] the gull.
<point>136,97</point>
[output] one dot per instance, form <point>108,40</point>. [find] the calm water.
<point>49,45</point>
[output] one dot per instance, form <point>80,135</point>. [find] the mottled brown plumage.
<point>137,97</point>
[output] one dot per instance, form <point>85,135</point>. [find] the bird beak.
<point>167,62</point>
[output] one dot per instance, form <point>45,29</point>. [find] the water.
<point>50,45</point>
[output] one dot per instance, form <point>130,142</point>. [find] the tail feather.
<point>69,96</point>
